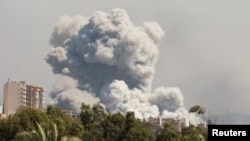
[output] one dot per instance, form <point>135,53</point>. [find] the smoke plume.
<point>106,58</point>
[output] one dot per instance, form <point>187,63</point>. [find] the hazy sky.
<point>204,51</point>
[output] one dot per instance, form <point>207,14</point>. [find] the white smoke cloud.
<point>66,94</point>
<point>170,99</point>
<point>66,28</point>
<point>117,97</point>
<point>154,31</point>
<point>107,58</point>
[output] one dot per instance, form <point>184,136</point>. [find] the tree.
<point>27,118</point>
<point>66,125</point>
<point>136,129</point>
<point>194,133</point>
<point>40,134</point>
<point>24,119</point>
<point>197,109</point>
<point>9,127</point>
<point>71,139</point>
<point>113,126</point>
<point>92,118</point>
<point>168,133</point>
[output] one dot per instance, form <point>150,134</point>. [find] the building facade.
<point>177,123</point>
<point>35,96</point>
<point>17,94</point>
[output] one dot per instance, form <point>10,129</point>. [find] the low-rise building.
<point>177,123</point>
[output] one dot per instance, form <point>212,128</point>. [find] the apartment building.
<point>35,96</point>
<point>177,123</point>
<point>17,94</point>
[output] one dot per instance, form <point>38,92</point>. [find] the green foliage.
<point>168,133</point>
<point>197,109</point>
<point>36,135</point>
<point>136,129</point>
<point>71,139</point>
<point>41,135</point>
<point>24,119</point>
<point>193,133</point>
<point>40,132</point>
<point>93,124</point>
<point>27,117</point>
<point>92,118</point>
<point>26,136</point>
<point>113,126</point>
<point>65,124</point>
<point>8,128</point>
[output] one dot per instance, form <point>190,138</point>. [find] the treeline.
<point>93,124</point>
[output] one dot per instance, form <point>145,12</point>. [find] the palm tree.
<point>70,139</point>
<point>41,135</point>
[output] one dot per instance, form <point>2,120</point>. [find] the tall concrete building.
<point>17,94</point>
<point>35,96</point>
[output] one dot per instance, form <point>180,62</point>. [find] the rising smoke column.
<point>106,58</point>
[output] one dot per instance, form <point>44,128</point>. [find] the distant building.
<point>177,123</point>
<point>2,116</point>
<point>72,114</point>
<point>35,97</point>
<point>17,94</point>
<point>1,109</point>
<point>156,123</point>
